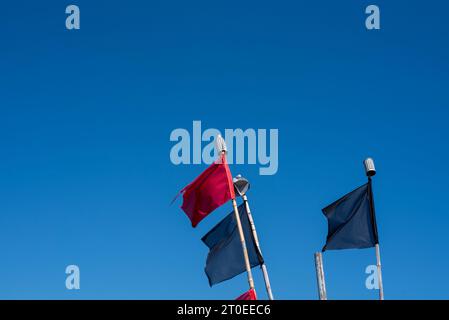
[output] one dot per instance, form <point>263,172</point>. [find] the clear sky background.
<point>85,120</point>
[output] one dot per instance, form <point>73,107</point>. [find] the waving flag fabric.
<point>249,295</point>
<point>208,191</point>
<point>351,221</point>
<point>225,259</point>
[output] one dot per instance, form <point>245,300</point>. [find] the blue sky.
<point>86,115</point>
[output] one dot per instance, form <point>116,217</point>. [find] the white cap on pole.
<point>370,169</point>
<point>220,144</point>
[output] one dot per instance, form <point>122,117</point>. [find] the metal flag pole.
<point>241,186</point>
<point>242,240</point>
<point>320,276</point>
<point>379,273</point>
<point>370,171</point>
<point>221,147</point>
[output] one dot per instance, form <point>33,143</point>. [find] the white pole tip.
<point>220,144</point>
<point>370,169</point>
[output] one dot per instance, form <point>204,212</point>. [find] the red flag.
<point>249,295</point>
<point>208,191</point>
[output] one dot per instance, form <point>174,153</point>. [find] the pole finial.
<point>370,169</point>
<point>220,144</point>
<point>241,185</point>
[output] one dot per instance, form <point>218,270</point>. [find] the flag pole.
<point>379,273</point>
<point>256,240</point>
<point>221,147</point>
<point>244,248</point>
<point>371,171</point>
<point>320,276</point>
<point>241,186</point>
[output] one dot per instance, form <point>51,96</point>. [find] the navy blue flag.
<point>351,221</point>
<point>225,259</point>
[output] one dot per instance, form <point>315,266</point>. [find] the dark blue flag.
<point>225,259</point>
<point>351,221</point>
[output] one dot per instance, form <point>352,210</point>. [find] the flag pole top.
<point>241,185</point>
<point>220,144</point>
<point>370,169</point>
